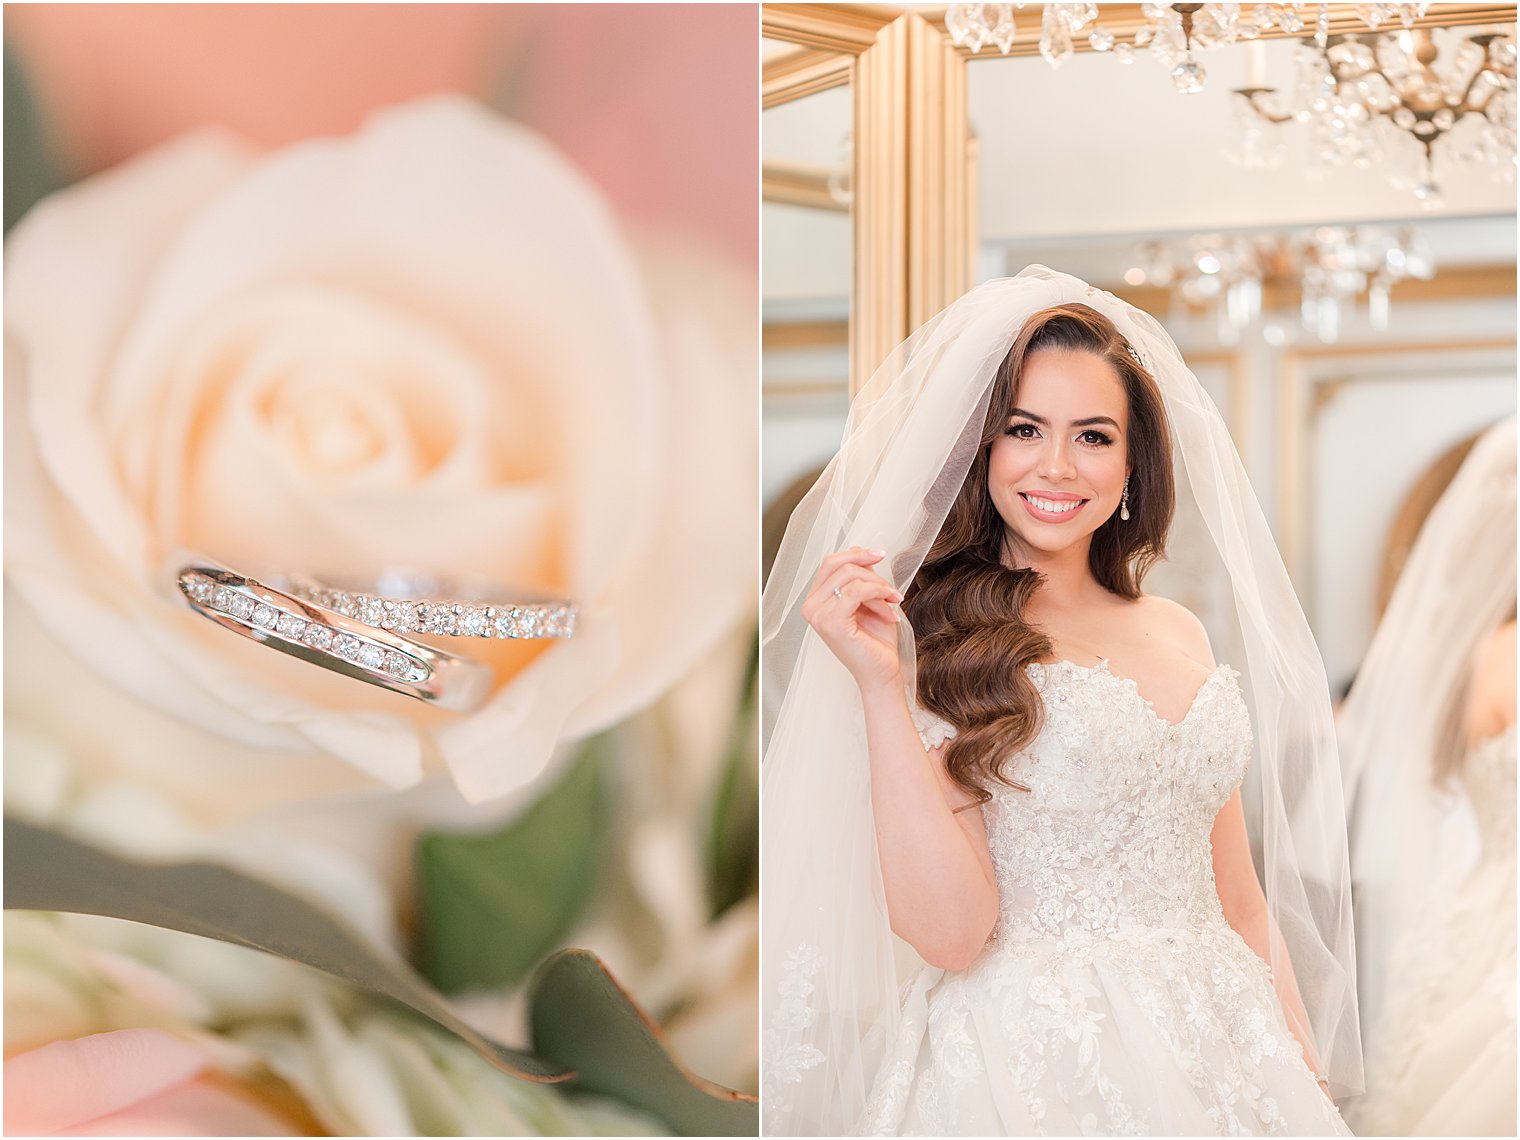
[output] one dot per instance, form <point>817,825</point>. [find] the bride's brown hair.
<point>967,608</point>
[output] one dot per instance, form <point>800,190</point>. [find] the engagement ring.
<point>313,632</point>
<point>443,616</point>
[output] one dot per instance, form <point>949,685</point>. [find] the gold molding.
<point>805,71</point>
<point>1126,19</point>
<point>801,389</point>
<point>1300,404</point>
<point>799,184</point>
<point>913,195</point>
<point>789,335</point>
<point>1451,283</point>
<point>848,28</point>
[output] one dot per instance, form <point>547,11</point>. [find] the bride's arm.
<point>1245,909</point>
<point>935,866</point>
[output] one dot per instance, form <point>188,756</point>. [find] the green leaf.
<point>493,905</point>
<point>31,172</point>
<point>583,1020</point>
<point>733,841</point>
<point>578,1010</point>
<point>48,871</point>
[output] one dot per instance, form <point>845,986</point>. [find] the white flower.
<point>425,346</point>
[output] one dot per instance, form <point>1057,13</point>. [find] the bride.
<point>1009,883</point>
<point>1428,736</point>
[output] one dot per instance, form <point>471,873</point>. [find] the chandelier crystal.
<point>1332,266</point>
<point>1385,99</point>
<point>1375,98</point>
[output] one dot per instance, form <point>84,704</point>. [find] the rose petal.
<point>696,569</point>
<point>77,237</point>
<point>198,1108</point>
<point>66,1083</point>
<point>508,744</point>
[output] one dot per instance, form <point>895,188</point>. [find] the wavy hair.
<point>967,608</point>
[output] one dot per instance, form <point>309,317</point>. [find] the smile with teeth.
<point>1052,506</point>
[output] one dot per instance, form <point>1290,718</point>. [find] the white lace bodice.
<point>1113,833</point>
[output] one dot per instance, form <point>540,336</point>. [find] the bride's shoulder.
<point>1175,626</point>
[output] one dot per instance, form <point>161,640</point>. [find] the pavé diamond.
<point>370,611</point>
<point>473,622</point>
<point>344,604</point>
<point>406,617</point>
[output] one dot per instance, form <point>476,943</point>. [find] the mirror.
<point>807,263</point>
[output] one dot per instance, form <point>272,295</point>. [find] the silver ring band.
<point>314,633</point>
<point>442,616</point>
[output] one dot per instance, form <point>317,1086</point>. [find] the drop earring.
<point>1124,502</point>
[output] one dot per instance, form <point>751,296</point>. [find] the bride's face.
<point>1057,472</point>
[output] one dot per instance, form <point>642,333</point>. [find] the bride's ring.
<point>837,594</point>
<point>443,616</point>
<point>315,633</point>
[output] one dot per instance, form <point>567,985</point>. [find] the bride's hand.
<point>851,607</point>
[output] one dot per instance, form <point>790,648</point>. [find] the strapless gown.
<point>1446,1065</point>
<point>1113,998</point>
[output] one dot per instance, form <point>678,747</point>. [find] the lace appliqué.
<point>932,730</point>
<point>788,1058</point>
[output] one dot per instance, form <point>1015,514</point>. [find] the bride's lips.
<point>1058,516</point>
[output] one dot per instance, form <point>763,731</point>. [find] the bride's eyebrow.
<point>1043,422</point>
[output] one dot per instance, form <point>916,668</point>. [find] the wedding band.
<point>441,616</point>
<point>837,594</point>
<point>319,635</point>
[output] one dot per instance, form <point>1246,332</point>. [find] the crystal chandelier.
<point>1380,100</point>
<point>1332,265</point>
<point>1365,96</point>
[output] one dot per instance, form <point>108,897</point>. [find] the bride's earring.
<point>1124,502</point>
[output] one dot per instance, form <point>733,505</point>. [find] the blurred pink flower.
<point>130,1082</point>
<point>658,103</point>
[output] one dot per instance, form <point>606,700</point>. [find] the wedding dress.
<point>1113,997</point>
<point>1449,1067</point>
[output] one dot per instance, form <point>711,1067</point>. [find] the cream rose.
<point>425,346</point>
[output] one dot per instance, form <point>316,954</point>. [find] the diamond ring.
<point>315,633</point>
<point>439,616</point>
